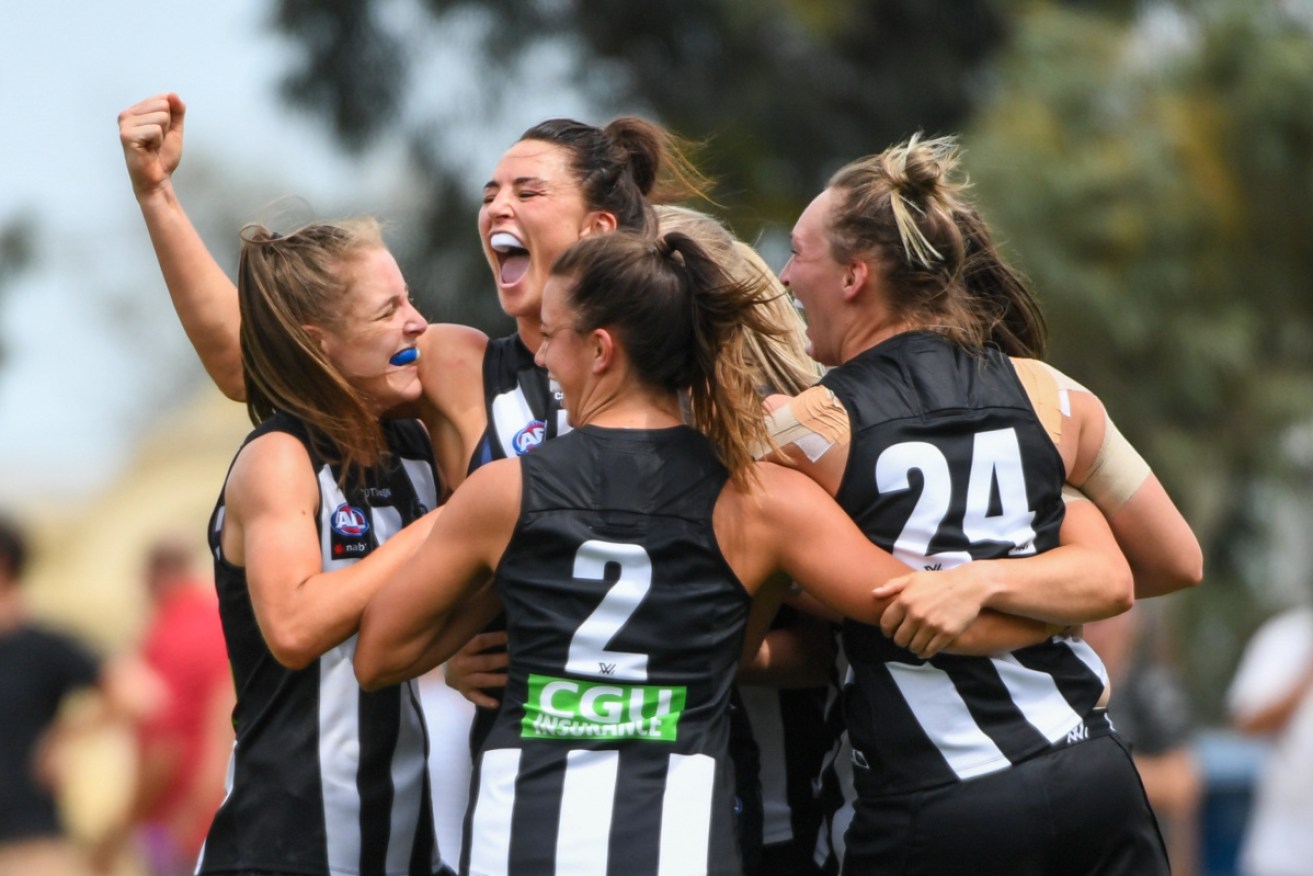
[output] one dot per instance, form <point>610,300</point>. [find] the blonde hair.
<point>907,208</point>
<point>286,283</point>
<point>779,361</point>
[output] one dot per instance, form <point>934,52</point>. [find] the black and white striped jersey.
<point>610,752</point>
<point>523,410</point>
<point>326,778</point>
<point>788,726</point>
<point>949,463</point>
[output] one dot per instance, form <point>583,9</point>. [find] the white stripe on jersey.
<point>1036,696</point>
<point>587,800</point>
<point>831,840</point>
<point>420,474</point>
<point>510,414</point>
<point>339,712</point>
<point>764,714</point>
<point>339,754</point>
<point>490,824</point>
<point>409,767</point>
<point>1087,655</point>
<point>945,719</point>
<point>686,815</point>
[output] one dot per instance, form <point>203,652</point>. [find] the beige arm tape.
<point>814,420</point>
<point>1046,394</point>
<point>1118,470</point>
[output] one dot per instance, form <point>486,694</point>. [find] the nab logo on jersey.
<point>350,533</point>
<point>529,437</point>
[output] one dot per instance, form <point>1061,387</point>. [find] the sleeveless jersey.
<point>523,410</point>
<point>326,778</point>
<point>949,463</point>
<point>610,752</point>
<point>788,726</point>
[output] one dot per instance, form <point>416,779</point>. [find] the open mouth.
<point>512,257</point>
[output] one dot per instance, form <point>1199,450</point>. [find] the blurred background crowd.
<point>1149,164</point>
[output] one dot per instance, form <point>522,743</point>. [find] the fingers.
<point>484,641</point>
<point>151,135</point>
<point>475,668</point>
<point>177,111</point>
<point>146,122</point>
<point>477,689</point>
<point>892,619</point>
<point>892,587</point>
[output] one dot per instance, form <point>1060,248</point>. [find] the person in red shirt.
<point>183,747</point>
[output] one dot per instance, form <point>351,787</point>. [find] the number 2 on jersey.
<point>588,654</point>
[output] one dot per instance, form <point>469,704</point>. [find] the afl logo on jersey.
<point>349,539</point>
<point>350,521</point>
<point>529,437</point>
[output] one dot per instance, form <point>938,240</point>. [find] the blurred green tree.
<point>1148,162</point>
<point>17,248</point>
<point>1156,183</point>
<point>780,92</point>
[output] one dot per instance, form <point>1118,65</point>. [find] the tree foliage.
<point>1155,184</point>
<point>781,92</point>
<point>1147,163</point>
<point>17,248</point>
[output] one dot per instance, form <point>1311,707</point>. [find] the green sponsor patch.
<point>567,708</point>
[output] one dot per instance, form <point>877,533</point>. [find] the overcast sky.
<point>67,68</point>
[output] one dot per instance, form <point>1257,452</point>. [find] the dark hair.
<point>13,548</point>
<point>681,321</point>
<point>906,208</point>
<point>625,167</point>
<point>288,282</point>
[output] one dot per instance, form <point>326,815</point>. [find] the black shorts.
<point>1077,809</point>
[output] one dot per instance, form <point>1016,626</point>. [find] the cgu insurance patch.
<point>349,533</point>
<point>562,708</point>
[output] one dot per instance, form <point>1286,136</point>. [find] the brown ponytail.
<point>682,322</point>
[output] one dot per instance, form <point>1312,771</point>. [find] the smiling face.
<point>533,208</point>
<point>817,280</point>
<point>380,327</point>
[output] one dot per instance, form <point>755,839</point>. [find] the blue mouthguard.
<point>405,357</point>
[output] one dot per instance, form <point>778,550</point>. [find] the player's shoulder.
<point>451,342</point>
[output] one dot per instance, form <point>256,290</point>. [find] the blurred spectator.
<point>1270,695</point>
<point>183,747</point>
<point>1150,710</point>
<point>39,668</point>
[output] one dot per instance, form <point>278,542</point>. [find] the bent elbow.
<point>1121,591</point>
<point>232,385</point>
<point>290,649</point>
<point>369,675</point>
<point>1162,581</point>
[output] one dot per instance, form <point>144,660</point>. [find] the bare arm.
<point>793,656</point>
<point>272,505</point>
<point>1160,546</point>
<point>1084,579</point>
<point>791,524</point>
<point>203,295</point>
<point>401,633</point>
